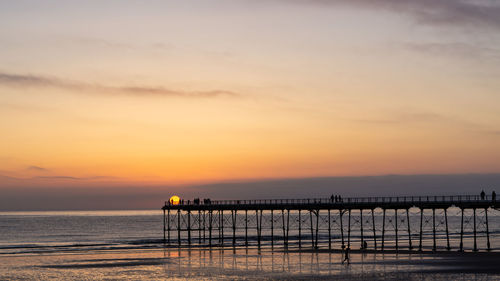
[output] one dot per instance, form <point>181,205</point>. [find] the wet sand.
<point>250,264</point>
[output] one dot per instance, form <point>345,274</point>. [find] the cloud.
<point>434,12</point>
<point>457,49</point>
<point>37,169</point>
<point>35,81</point>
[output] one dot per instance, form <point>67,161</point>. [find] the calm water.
<point>128,244</point>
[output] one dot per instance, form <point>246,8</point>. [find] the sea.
<point>130,245</point>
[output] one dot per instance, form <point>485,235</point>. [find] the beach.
<point>248,264</point>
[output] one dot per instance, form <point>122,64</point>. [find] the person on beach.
<point>482,195</point>
<point>346,256</point>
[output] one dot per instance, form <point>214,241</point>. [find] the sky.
<point>178,94</point>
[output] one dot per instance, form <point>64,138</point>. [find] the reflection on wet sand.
<point>253,264</point>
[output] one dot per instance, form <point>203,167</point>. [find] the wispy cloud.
<point>37,169</point>
<point>36,81</point>
<point>456,49</point>
<point>435,12</point>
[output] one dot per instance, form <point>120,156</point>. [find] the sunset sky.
<point>113,93</point>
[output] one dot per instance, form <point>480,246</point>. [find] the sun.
<point>175,200</point>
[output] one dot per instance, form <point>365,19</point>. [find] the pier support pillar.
<point>475,231</point>
<point>329,231</point>
<point>374,233</point>
<point>462,232</point>
<point>410,247</point>
<point>189,227</point>
<point>210,220</point>
<point>361,228</point>
<point>272,229</point>
<point>300,230</point>
<point>434,229</point>
<point>179,227</point>
<point>168,226</point>
<point>488,247</point>
<point>312,230</point>
<point>447,232</point>
<point>349,231</point>
<point>396,226</point>
<point>341,213</point>
<point>383,228</point>
<point>199,227</point>
<point>164,227</point>
<point>234,214</point>
<point>421,229</point>
<point>246,228</point>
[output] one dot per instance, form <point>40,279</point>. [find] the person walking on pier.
<point>482,195</point>
<point>494,196</point>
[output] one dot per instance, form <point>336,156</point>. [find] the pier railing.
<point>341,200</point>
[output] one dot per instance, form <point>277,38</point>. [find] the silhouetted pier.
<point>213,222</point>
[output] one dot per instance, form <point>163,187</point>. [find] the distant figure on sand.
<point>346,255</point>
<point>482,195</point>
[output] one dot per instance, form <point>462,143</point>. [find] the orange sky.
<point>171,93</point>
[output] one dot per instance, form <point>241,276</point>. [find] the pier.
<point>332,223</point>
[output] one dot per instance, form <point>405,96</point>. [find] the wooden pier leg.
<point>409,229</point>
<point>374,234</point>
<point>383,228</point>
<point>341,214</point>
<point>462,232</point>
<point>329,231</point>
<point>312,231</point>
<point>361,228</point>
<point>189,227</point>
<point>349,231</point>
<point>300,230</point>
<point>233,216</point>
<point>396,226</point>
<point>246,228</point>
<point>168,226</point>
<point>204,226</point>
<point>475,231</point>
<point>487,230</point>
<point>447,232</point>
<point>179,227</point>
<point>421,229</point>
<point>434,229</point>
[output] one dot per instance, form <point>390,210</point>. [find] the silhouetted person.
<point>332,198</point>
<point>482,195</point>
<point>346,255</point>
<point>340,198</point>
<point>493,196</point>
<point>365,245</point>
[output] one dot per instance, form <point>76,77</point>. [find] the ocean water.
<point>110,245</point>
